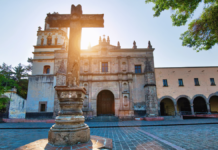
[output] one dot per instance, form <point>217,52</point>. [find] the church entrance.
<point>105,103</point>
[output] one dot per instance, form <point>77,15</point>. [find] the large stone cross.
<point>76,21</point>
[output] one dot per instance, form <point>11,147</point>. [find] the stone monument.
<point>69,128</point>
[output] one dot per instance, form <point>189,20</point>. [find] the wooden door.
<point>105,103</point>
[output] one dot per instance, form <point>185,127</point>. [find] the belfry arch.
<point>105,103</point>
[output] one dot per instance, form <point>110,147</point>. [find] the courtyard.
<point>193,134</point>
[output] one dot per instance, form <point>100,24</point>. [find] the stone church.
<point>119,81</point>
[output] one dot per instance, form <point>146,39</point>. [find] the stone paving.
<point>114,124</point>
<point>190,137</point>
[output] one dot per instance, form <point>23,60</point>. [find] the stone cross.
<point>76,21</point>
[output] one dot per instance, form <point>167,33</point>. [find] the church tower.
<point>46,61</point>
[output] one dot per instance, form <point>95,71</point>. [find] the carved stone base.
<point>67,137</point>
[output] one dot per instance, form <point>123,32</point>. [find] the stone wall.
<point>41,89</point>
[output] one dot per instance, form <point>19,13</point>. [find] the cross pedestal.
<point>69,128</point>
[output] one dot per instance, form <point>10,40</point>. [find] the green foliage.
<point>11,77</point>
<point>202,33</point>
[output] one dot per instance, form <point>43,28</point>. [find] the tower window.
<point>49,40</point>
<point>181,82</point>
<point>196,82</point>
<point>165,82</point>
<point>46,70</point>
<point>42,41</point>
<point>56,41</point>
<point>212,81</point>
<point>138,69</point>
<point>104,67</point>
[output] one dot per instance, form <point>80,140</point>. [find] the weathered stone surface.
<point>66,137</point>
<point>95,143</point>
<point>69,128</point>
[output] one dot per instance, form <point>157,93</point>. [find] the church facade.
<point>119,81</point>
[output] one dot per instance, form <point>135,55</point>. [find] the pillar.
<point>120,95</point>
<point>128,60</point>
<point>175,107</point>
<point>192,109</point>
<point>119,68</point>
<point>130,95</point>
<point>208,108</point>
<point>90,64</point>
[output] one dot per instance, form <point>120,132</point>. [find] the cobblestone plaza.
<point>166,135</point>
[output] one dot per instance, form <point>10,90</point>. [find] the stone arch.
<point>213,102</point>
<point>184,104</point>
<point>166,106</point>
<point>183,96</point>
<point>199,102</point>
<point>199,95</point>
<point>211,95</point>
<point>169,97</point>
<point>107,89</point>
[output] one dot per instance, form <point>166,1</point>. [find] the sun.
<point>89,37</point>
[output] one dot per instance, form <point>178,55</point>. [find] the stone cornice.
<point>48,46</point>
<point>43,52</point>
<point>43,59</point>
<point>86,74</point>
<point>102,80</point>
<point>146,85</point>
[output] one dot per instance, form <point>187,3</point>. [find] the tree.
<point>202,33</point>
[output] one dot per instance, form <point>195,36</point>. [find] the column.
<point>90,96</point>
<point>130,95</point>
<point>208,108</point>
<point>192,109</point>
<point>119,69</point>
<point>120,95</point>
<point>128,59</point>
<point>90,64</point>
<point>175,107</point>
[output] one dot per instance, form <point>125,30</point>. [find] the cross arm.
<point>58,20</point>
<point>92,20</point>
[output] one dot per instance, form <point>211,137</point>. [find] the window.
<point>46,70</point>
<point>56,41</point>
<point>42,106</point>
<point>165,82</point>
<point>138,69</point>
<point>49,40</point>
<point>180,82</point>
<point>196,82</point>
<point>104,67</point>
<point>212,82</point>
<point>42,41</point>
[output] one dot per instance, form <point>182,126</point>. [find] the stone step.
<point>172,118</point>
<point>104,119</point>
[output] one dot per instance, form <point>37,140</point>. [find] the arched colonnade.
<point>184,105</point>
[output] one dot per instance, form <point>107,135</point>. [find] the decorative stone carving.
<point>69,128</point>
<point>140,106</point>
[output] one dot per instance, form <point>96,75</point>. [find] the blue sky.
<point>125,21</point>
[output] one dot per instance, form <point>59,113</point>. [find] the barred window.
<point>196,81</point>
<point>212,81</point>
<point>104,67</point>
<point>138,69</point>
<point>181,82</point>
<point>165,82</point>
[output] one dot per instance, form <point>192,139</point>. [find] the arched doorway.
<point>214,104</point>
<point>183,105</point>
<point>200,106</point>
<point>105,103</point>
<point>167,107</point>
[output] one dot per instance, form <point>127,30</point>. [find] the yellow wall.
<point>187,74</point>
<point>168,106</point>
<point>214,104</point>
